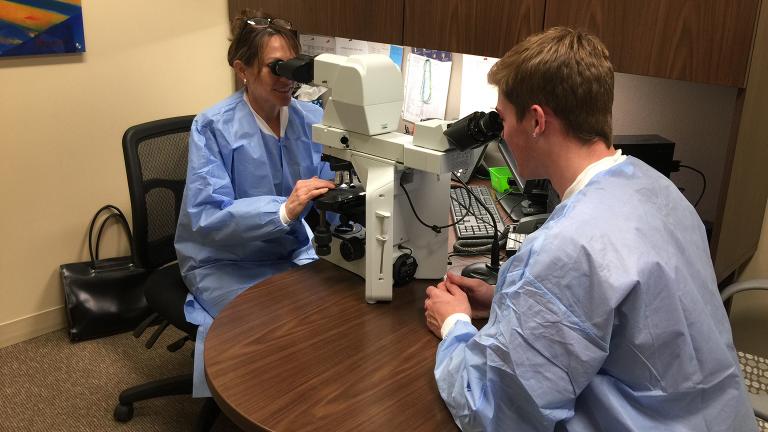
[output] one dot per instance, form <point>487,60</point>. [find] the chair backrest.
<point>156,164</point>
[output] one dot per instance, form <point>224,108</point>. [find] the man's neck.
<point>573,157</point>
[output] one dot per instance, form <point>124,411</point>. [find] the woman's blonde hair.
<point>567,71</point>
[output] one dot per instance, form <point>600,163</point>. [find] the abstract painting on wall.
<point>30,27</point>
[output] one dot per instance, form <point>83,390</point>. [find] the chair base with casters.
<point>165,292</point>
<point>754,368</point>
<point>178,385</point>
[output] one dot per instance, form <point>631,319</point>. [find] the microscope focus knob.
<point>322,241</point>
<point>404,269</point>
<point>344,140</point>
<point>352,248</point>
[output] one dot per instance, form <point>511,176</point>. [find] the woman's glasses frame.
<point>261,23</point>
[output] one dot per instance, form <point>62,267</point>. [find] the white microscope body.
<point>359,125</point>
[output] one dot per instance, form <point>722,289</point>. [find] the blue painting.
<point>31,27</point>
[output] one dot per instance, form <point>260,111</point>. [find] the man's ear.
<point>539,120</point>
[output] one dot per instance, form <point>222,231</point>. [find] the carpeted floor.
<point>49,384</point>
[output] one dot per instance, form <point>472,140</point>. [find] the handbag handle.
<point>116,212</point>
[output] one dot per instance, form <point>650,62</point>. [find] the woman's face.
<point>265,88</point>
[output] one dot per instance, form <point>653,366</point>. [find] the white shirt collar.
<point>263,125</point>
<point>592,170</point>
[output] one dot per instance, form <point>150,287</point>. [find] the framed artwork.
<point>32,27</point>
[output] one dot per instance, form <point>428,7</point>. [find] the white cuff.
<point>451,321</point>
<point>283,215</point>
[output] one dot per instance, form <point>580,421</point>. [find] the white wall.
<point>61,123</point>
<point>697,117</point>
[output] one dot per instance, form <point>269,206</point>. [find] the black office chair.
<point>156,164</point>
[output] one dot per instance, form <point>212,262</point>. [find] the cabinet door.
<point>743,197</point>
<point>481,27</point>
<point>377,21</point>
<point>706,41</point>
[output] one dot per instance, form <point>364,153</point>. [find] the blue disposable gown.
<point>229,234</point>
<point>607,319</point>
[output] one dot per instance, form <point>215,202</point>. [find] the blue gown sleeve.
<point>215,215</point>
<point>524,369</point>
<point>314,115</point>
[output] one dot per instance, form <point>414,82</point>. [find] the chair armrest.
<point>760,405</point>
<point>754,284</point>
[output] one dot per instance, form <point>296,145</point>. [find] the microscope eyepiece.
<point>489,125</point>
<point>474,130</point>
<point>299,68</point>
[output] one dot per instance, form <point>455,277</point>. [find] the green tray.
<point>500,177</point>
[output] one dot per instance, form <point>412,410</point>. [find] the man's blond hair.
<point>567,71</point>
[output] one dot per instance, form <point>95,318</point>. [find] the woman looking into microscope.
<point>253,168</point>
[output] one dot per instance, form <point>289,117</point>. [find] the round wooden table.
<point>302,350</point>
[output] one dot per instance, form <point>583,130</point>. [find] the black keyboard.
<point>477,224</point>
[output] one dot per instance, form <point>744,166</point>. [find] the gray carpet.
<point>50,384</point>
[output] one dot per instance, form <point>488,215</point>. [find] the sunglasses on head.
<point>266,22</point>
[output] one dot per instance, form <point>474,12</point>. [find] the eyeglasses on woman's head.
<point>266,22</point>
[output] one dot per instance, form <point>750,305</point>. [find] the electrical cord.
<point>463,254</point>
<point>464,247</point>
<point>508,219</point>
<point>703,179</point>
<point>466,254</point>
<point>480,246</point>
<point>439,228</point>
<point>436,228</point>
<point>488,271</point>
<point>468,210</point>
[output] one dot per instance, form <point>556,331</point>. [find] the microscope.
<point>392,194</point>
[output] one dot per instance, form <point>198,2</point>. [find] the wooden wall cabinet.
<point>480,27</point>
<point>707,41</point>
<point>378,21</point>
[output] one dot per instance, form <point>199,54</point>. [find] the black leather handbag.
<point>103,296</point>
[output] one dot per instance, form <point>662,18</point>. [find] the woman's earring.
<point>245,82</point>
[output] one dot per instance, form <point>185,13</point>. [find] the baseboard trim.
<point>31,326</point>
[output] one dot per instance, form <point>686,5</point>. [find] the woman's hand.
<point>303,192</point>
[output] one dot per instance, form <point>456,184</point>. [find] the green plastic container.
<point>500,177</point>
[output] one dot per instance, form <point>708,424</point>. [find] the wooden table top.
<point>302,350</point>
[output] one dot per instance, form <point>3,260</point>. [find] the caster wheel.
<point>123,413</point>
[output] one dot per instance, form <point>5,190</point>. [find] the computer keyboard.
<point>514,242</point>
<point>477,224</point>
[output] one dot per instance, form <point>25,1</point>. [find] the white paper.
<point>476,93</point>
<point>394,52</point>
<point>348,47</point>
<point>317,44</point>
<point>426,85</point>
<point>378,48</point>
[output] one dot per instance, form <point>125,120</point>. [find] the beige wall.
<point>749,312</point>
<point>61,123</point>
<point>758,265</point>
